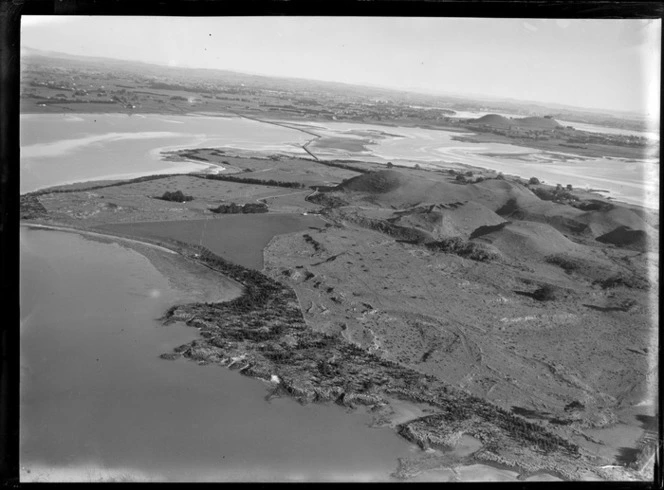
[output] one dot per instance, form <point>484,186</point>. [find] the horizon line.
<point>417,91</point>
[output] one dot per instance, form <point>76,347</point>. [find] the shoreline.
<point>109,181</point>
<point>172,270</point>
<point>227,339</point>
<point>262,333</point>
<point>211,166</point>
<point>71,229</point>
<point>590,192</point>
<point>284,117</point>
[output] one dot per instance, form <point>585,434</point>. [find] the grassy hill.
<point>498,121</point>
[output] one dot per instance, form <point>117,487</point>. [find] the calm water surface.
<point>63,148</point>
<point>98,403</point>
<point>239,238</point>
<point>632,181</point>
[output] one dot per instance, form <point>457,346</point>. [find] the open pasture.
<point>137,202</point>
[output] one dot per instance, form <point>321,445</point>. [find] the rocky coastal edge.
<point>263,334</point>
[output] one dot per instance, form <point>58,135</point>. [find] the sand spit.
<point>199,283</point>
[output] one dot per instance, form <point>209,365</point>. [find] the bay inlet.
<point>98,404</point>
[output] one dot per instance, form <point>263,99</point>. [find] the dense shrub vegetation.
<point>137,180</point>
<point>326,200</point>
<point>566,263</point>
<point>594,205</point>
<point>247,180</point>
<point>176,196</point>
<point>233,208</point>
<point>403,233</point>
<point>558,194</point>
<point>620,279</point>
<point>546,293</point>
<point>463,248</point>
<point>486,229</point>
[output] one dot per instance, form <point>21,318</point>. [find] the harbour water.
<point>64,148</point>
<point>98,404</point>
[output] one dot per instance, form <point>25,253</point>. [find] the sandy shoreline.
<point>630,191</point>
<point>95,234</point>
<point>196,282</point>
<point>469,468</point>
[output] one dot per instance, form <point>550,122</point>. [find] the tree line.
<point>248,180</point>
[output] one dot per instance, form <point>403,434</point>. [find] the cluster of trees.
<point>193,156</point>
<point>137,180</point>
<point>537,435</point>
<point>632,281</point>
<point>546,293</point>
<point>326,200</point>
<point>517,427</point>
<point>594,205</point>
<point>467,177</point>
<point>399,232</point>
<point>259,289</point>
<point>233,208</point>
<point>458,246</point>
<point>247,180</point>
<point>176,196</point>
<point>467,173</point>
<point>169,86</point>
<point>313,242</point>
<point>558,194</point>
<point>568,264</point>
<point>609,139</point>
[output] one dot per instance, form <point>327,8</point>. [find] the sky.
<point>603,64</point>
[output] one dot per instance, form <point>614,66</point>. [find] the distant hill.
<point>493,120</point>
<point>379,182</point>
<point>602,222</point>
<point>624,236</point>
<point>498,121</point>
<point>403,190</point>
<point>31,56</point>
<point>530,239</point>
<point>450,220</point>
